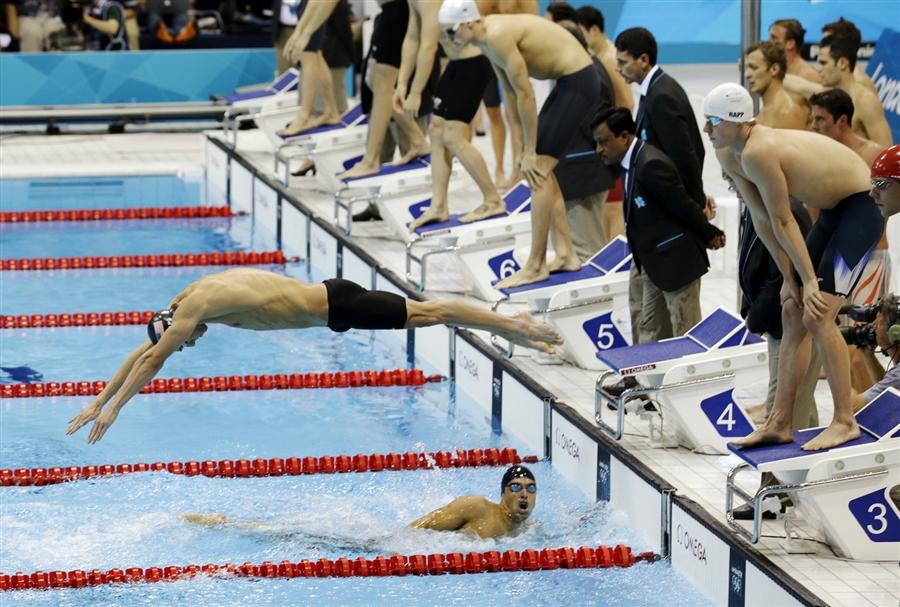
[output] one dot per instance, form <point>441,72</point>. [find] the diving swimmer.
<point>259,300</point>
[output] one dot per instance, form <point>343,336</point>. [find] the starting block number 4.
<point>876,515</point>
<point>603,333</point>
<point>726,417</point>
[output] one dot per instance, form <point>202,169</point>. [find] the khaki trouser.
<point>658,314</point>
<point>585,217</point>
<point>34,32</point>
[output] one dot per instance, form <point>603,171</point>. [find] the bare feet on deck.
<point>299,125</point>
<point>524,276</point>
<point>532,334</point>
<point>832,436</point>
<point>508,184</point>
<point>487,209</point>
<point>564,264</point>
<point>414,152</point>
<point>768,433</point>
<point>431,214</point>
<point>361,169</point>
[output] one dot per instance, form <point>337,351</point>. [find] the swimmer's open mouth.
<point>523,505</point>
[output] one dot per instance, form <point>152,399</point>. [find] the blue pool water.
<point>137,520</point>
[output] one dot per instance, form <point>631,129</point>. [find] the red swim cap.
<point>887,164</point>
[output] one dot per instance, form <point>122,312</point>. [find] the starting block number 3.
<point>876,516</point>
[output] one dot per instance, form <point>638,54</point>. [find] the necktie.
<point>640,116</point>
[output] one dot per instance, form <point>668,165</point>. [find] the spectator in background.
<point>666,229</point>
<point>9,27</point>
<point>37,21</point>
<point>765,68</point>
<point>170,21</point>
<point>789,34</point>
<point>843,27</point>
<point>106,22</point>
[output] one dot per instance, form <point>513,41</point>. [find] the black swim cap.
<point>514,472</point>
<point>161,321</point>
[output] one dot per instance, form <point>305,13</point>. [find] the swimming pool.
<point>137,520</point>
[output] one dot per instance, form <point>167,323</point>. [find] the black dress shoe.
<point>626,383</point>
<point>304,171</point>
<point>745,513</point>
<point>369,214</point>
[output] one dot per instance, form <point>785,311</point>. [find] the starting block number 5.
<point>725,416</point>
<point>603,333</point>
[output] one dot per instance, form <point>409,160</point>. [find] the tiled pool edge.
<point>701,548</point>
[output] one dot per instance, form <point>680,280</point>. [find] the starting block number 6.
<point>503,265</point>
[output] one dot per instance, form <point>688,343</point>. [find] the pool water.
<point>138,519</point>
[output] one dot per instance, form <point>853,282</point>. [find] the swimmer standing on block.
<point>767,165</point>
<point>472,514</point>
<point>258,300</point>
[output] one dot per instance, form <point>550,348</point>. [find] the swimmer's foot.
<point>570,263</point>
<point>487,209</point>
<point>431,214</point>
<point>524,276</point>
<point>757,413</point>
<point>413,153</point>
<point>298,125</point>
<point>768,434</point>
<point>209,520</point>
<point>532,333</point>
<point>360,169</point>
<point>510,183</point>
<point>832,436</point>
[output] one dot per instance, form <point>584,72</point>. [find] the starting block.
<point>845,489</point>
<point>484,247</point>
<point>691,379</point>
<point>392,180</point>
<point>589,307</point>
<point>243,106</point>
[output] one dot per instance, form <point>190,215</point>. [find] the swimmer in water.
<point>259,300</point>
<point>480,516</point>
<point>472,514</point>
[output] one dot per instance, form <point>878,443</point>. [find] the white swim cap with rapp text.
<point>730,102</point>
<point>458,11</point>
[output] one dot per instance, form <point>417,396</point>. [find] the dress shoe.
<point>369,214</point>
<point>745,513</point>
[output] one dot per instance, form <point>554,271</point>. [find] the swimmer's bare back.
<point>259,300</point>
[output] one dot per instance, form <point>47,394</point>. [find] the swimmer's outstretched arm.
<point>454,515</point>
<point>145,368</point>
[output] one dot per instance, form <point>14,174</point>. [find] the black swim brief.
<point>492,92</point>
<point>842,240</point>
<point>390,29</point>
<point>461,88</point>
<point>568,110</point>
<point>350,306</point>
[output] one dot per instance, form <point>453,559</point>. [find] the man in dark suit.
<point>664,118</point>
<point>667,232</point>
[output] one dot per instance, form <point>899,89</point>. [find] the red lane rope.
<point>277,466</point>
<point>107,214</point>
<point>491,561</point>
<point>226,383</point>
<point>75,319</point>
<point>228,258</point>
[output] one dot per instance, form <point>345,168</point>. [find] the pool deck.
<point>834,580</point>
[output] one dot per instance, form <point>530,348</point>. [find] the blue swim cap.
<point>161,321</point>
<point>514,472</point>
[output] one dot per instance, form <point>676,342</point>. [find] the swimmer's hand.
<point>813,299</point>
<point>87,414</point>
<point>294,46</point>
<point>411,105</point>
<point>398,98</point>
<point>102,424</point>
<point>710,209</point>
<point>716,243</point>
<point>529,168</point>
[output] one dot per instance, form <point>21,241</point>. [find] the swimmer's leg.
<point>472,160</point>
<point>440,177</point>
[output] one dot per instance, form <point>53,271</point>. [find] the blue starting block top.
<point>714,328</point>
<point>649,353</point>
<point>352,117</point>
<point>880,417</point>
<point>518,200</point>
<point>284,82</point>
<point>615,256</point>
<point>389,169</point>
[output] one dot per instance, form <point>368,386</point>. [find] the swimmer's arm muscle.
<point>314,15</point>
<point>871,115</point>
<point>453,516</point>
<point>408,53</point>
<point>518,87</point>
<point>427,34</point>
<point>801,86</point>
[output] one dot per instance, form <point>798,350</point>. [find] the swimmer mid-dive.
<point>472,514</point>
<point>248,298</point>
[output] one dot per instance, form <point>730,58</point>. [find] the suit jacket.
<point>759,277</point>
<point>666,120</point>
<point>580,171</point>
<point>666,230</point>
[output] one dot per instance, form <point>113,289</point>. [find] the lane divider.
<point>454,563</point>
<point>229,383</point>
<point>108,214</point>
<point>276,466</point>
<point>228,258</point>
<point>75,319</point>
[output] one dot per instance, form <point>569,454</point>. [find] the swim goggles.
<point>451,31</point>
<point>516,487</point>
<point>881,183</point>
<point>714,120</point>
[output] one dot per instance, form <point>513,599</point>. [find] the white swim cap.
<point>729,102</point>
<point>458,11</point>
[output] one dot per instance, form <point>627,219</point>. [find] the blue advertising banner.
<point>884,69</point>
<point>129,77</point>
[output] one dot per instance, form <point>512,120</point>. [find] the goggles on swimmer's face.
<point>516,487</point>
<point>714,121</point>
<point>882,183</point>
<point>159,324</point>
<point>452,30</point>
